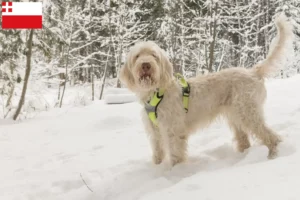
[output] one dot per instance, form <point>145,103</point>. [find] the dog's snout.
<point>146,66</point>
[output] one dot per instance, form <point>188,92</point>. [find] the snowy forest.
<point>83,44</point>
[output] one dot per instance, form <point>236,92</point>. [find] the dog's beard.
<point>147,81</point>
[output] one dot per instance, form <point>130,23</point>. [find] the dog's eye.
<point>154,55</point>
<point>137,56</point>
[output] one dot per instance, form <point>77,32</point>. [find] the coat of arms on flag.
<point>22,15</point>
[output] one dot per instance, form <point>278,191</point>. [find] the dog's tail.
<point>276,55</point>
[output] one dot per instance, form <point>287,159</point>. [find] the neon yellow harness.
<point>151,106</point>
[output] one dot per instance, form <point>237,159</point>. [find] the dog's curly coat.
<point>238,94</point>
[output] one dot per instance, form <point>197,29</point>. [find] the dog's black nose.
<point>146,66</point>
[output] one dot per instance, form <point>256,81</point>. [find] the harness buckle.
<point>186,91</point>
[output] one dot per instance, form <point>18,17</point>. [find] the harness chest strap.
<point>151,106</point>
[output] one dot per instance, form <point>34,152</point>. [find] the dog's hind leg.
<point>251,117</point>
<point>240,136</point>
<point>268,137</point>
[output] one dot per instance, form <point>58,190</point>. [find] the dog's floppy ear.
<point>166,68</point>
<point>126,76</point>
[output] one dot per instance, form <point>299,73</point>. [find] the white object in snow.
<point>118,96</point>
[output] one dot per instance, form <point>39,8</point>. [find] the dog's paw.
<point>157,159</point>
<point>273,153</point>
<point>177,160</point>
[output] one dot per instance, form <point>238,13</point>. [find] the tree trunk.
<point>113,68</point>
<point>67,63</point>
<point>58,95</point>
<point>213,28</point>
<point>121,24</point>
<point>104,76</point>
<point>93,83</point>
<point>240,45</point>
<point>12,82</point>
<point>12,90</point>
<point>112,65</point>
<point>182,40</point>
<point>258,24</point>
<point>199,55</point>
<point>27,74</point>
<point>205,48</point>
<point>267,5</point>
<point>118,83</point>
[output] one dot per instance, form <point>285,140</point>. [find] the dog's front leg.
<point>156,140</point>
<point>177,146</point>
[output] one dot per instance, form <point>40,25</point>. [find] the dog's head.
<point>146,67</point>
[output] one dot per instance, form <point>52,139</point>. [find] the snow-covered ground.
<point>105,145</point>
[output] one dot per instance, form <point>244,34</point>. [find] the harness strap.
<point>185,91</point>
<point>151,106</point>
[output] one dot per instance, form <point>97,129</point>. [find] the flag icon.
<point>22,15</point>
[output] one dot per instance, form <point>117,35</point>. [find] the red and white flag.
<point>22,15</point>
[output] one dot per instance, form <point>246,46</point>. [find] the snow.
<point>45,157</point>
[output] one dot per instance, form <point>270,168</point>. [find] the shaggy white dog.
<point>238,94</point>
